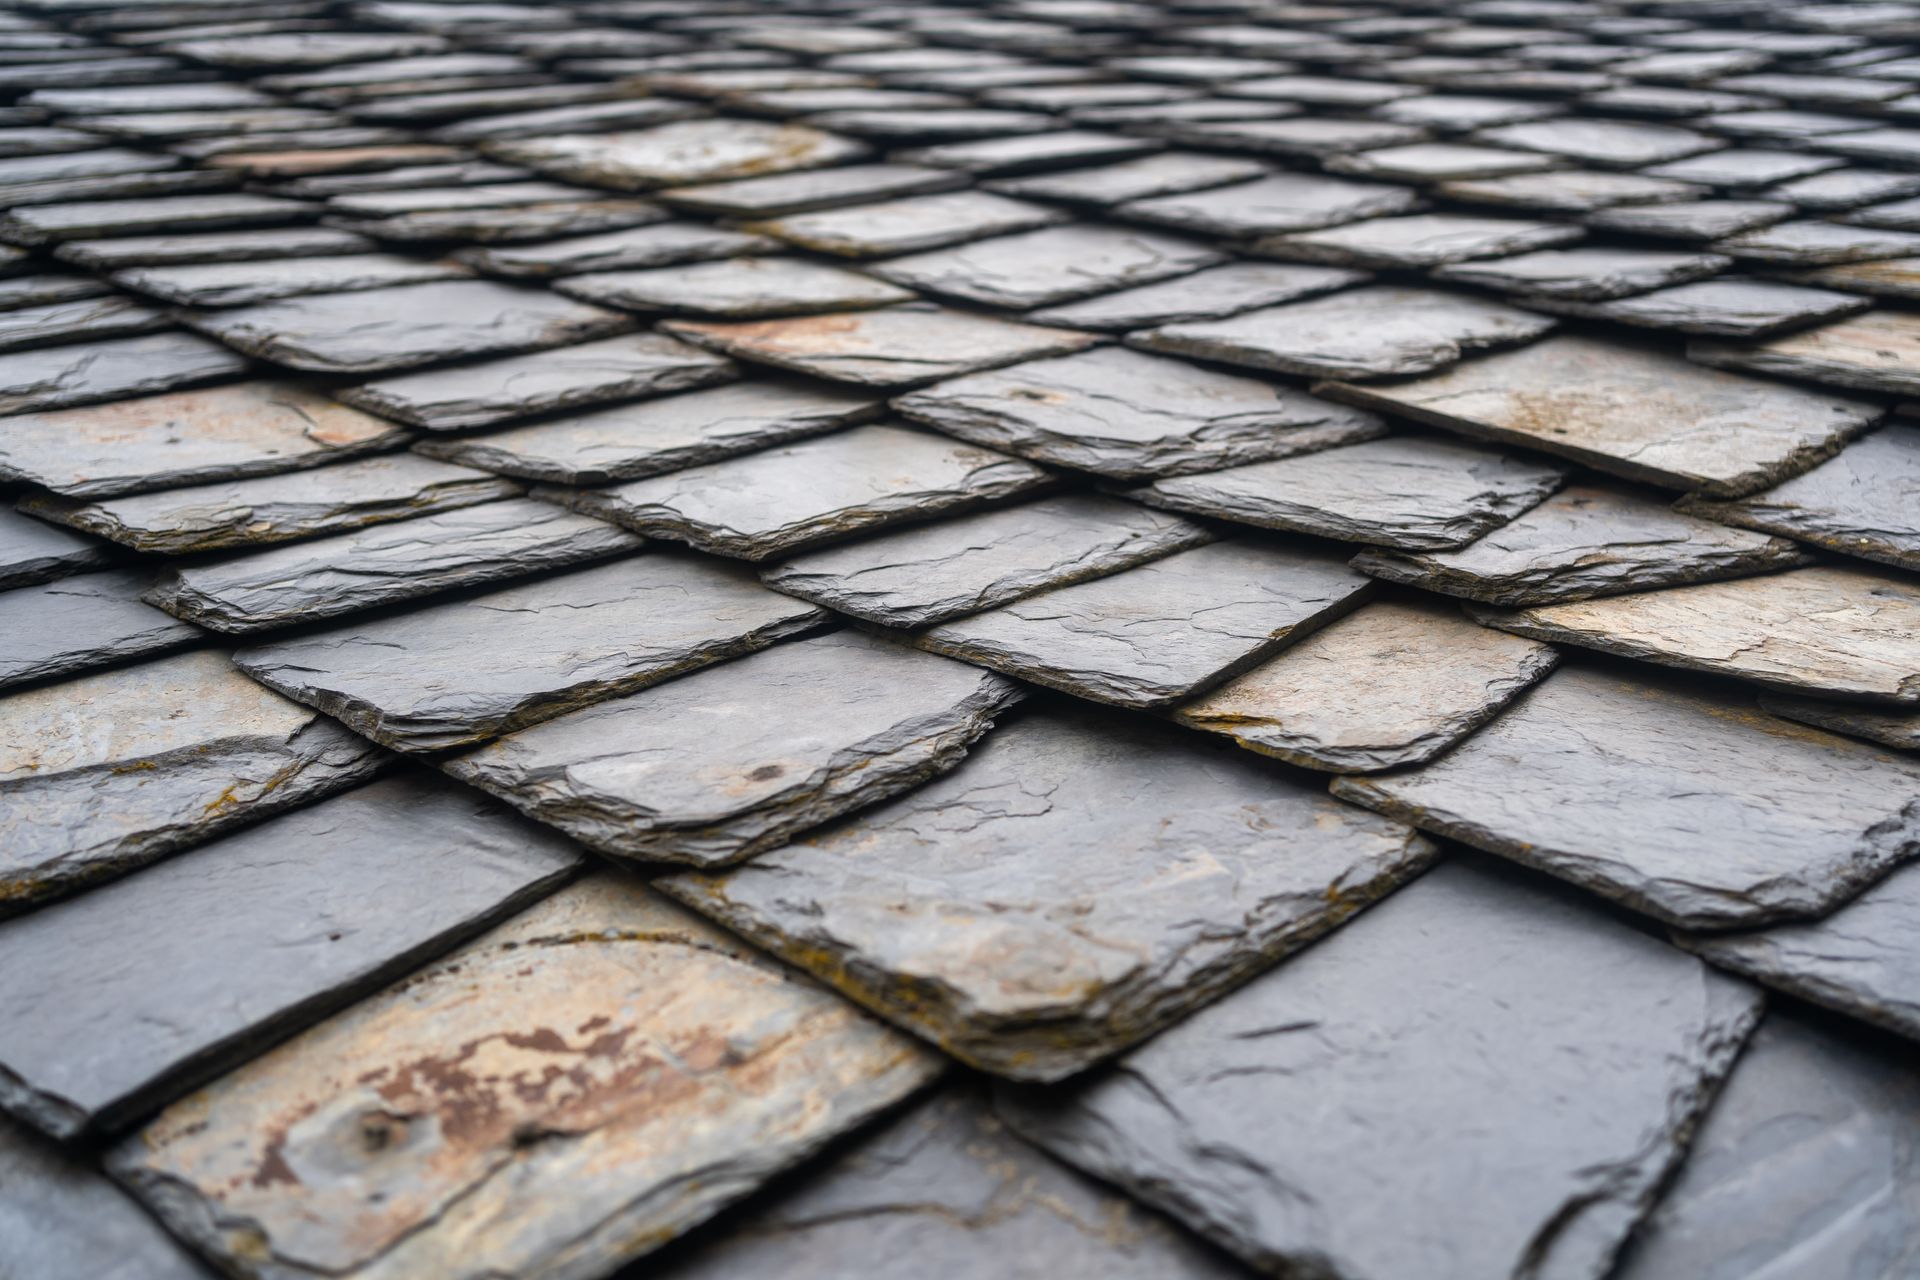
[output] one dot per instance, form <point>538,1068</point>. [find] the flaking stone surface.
<point>1292,1120</point>
<point>1681,801</point>
<point>1204,295</point>
<point>551,646</point>
<point>107,772</point>
<point>87,373</point>
<point>680,154</point>
<point>666,1071</point>
<point>1049,266</point>
<point>1890,726</point>
<point>1872,352</point>
<point>737,289</point>
<point>677,773</point>
<point>32,551</point>
<point>1079,882</point>
<point>89,620</point>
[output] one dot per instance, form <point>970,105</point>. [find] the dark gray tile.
<point>1205,295</point>
<point>1608,144</point>
<point>32,551</point>
<point>1691,220</point>
<point>1728,307</point>
<point>809,190</point>
<point>212,247</point>
<point>655,245</point>
<point>231,284</point>
<point>1049,266</point>
<point>1294,137</point>
<point>1817,244</point>
<point>1570,191</point>
<point>1279,202</point>
<point>87,373</point>
<point>1871,352</point>
<point>50,223</point>
<point>684,153</point>
<point>736,288</point>
<point>510,224</point>
<point>90,620</point>
<point>33,290</point>
<point>908,226</point>
<point>1418,241</point>
<point>88,319</point>
<point>1590,274</point>
<point>1112,184</point>
<point>1030,152</point>
<point>1428,162</point>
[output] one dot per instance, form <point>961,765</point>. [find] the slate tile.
<point>186,437</point>
<point>1804,1160</point>
<point>1417,241</point>
<point>32,552</point>
<point>1279,202</point>
<point>1295,137</point>
<point>1208,294</point>
<point>1569,191</point>
<point>1382,331</point>
<point>348,572</point>
<point>684,153</point>
<point>1673,797</point>
<point>676,773</point>
<point>1819,244</point>
<point>1691,220</point>
<point>891,347</point>
<point>224,284</point>
<point>380,329</point>
<point>1633,412</point>
<point>800,495</point>
<point>654,245</point>
<point>51,223</point>
<point>95,162</point>
<point>1157,175</point>
<point>245,245</point>
<point>1608,144</point>
<point>507,224</point>
<point>486,195</point>
<point>65,627</point>
<point>1463,113</point>
<point>108,772</point>
<point>1264,1124</point>
<point>1585,274</point>
<point>1393,683</point>
<point>1078,883</point>
<point>1426,162</point>
<point>275,508</point>
<point>307,48</point>
<point>627,442</point>
<point>1745,169</point>
<point>1831,630</point>
<point>1899,215</point>
<point>1129,415</point>
<point>736,288</point>
<point>928,126</point>
<point>87,373</point>
<point>553,646</point>
<point>1863,501</point>
<point>809,190</point>
<point>1409,492</point>
<point>317,907</point>
<point>1727,307</point>
<point>1870,352</point>
<point>1161,631</point>
<point>1890,726</point>
<point>158,128</point>
<point>478,395</point>
<point>1585,541</point>
<point>696,1057</point>
<point>87,319</point>
<point>1032,152</point>
<point>1049,266</point>
<point>933,572</point>
<point>947,1185</point>
<point>908,226</point>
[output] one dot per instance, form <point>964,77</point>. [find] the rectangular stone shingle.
<point>1871,352</point>
<point>1205,295</point>
<point>75,624</point>
<point>88,373</point>
<point>1047,267</point>
<point>33,551</point>
<point>680,154</point>
<point>908,226</point>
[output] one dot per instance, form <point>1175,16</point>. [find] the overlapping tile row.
<point>1304,604</point>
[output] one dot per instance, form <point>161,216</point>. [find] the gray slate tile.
<point>1027,153</point>
<point>654,245</point>
<point>1890,726</point>
<point>1608,144</point>
<point>52,223</point>
<point>1418,241</point>
<point>232,284</point>
<point>799,495</point>
<point>1673,797</point>
<point>1691,220</point>
<point>1162,631</point>
<point>1075,885</point>
<point>1816,244</point>
<point>348,572</point>
<point>1112,184</point>
<point>1279,202</point>
<point>1570,191</point>
<point>84,320</point>
<point>803,192</point>
<point>676,773</point>
<point>1870,352</point>
<point>1130,415</point>
<point>89,620</point>
<point>908,226</point>
<point>1205,295</point>
<point>1588,274</point>
<point>32,551</point>
<point>1049,266</point>
<point>105,773</point>
<point>1407,492</point>
<point>1291,1120</point>
<point>87,373</point>
<point>552,646</point>
<point>212,247</point>
<point>684,153</point>
<point>736,289</point>
<point>508,225</point>
<point>1294,137</point>
<point>315,907</point>
<point>1727,307</point>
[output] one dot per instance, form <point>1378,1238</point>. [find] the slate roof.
<point>1194,638</point>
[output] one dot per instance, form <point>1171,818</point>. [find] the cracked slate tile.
<point>631,366</point>
<point>1673,797</point>
<point>33,552</point>
<point>32,291</point>
<point>1585,541</point>
<point>90,372</point>
<point>1895,278</point>
<point>1130,415</point>
<point>1569,191</point>
<point>1818,244</point>
<point>1411,493</point>
<point>1112,184</point>
<point>1024,153</point>
<point>1424,162</point>
<point>1284,1121</point>
<point>121,253</point>
<point>185,438</point>
<point>1377,331</point>
<point>1587,274</point>
<point>1418,241</point>
<point>1805,1162</point>
<point>908,226</point>
<point>109,772</point>
<point>1745,169</point>
<point>657,244</point>
<point>232,284</point>
<point>1632,411</point>
<point>1841,189</point>
<point>1463,113</point>
<point>1607,144</point>
<point>631,441</point>
<point>1393,683</point>
<point>669,1072</point>
<point>1897,726</point>
<point>1293,137</point>
<point>306,49</point>
<point>736,288</point>
<point>508,224</point>
<point>1079,882</point>
<point>1870,352</point>
<point>1830,630</point>
<point>1727,307</point>
<point>684,153</point>
<point>75,624</point>
<point>84,320</point>
<point>809,190</point>
<point>395,328</point>
<point>280,508</point>
<point>1864,501</point>
<point>889,347</point>
<point>1208,294</point>
<point>799,495</point>
<point>50,223</point>
<point>1049,266</point>
<point>946,1185</point>
<point>316,907</point>
<point>1274,203</point>
<point>933,572</point>
<point>1162,631</point>
<point>1691,220</point>
<point>675,773</point>
<point>552,645</point>
<point>385,564</point>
